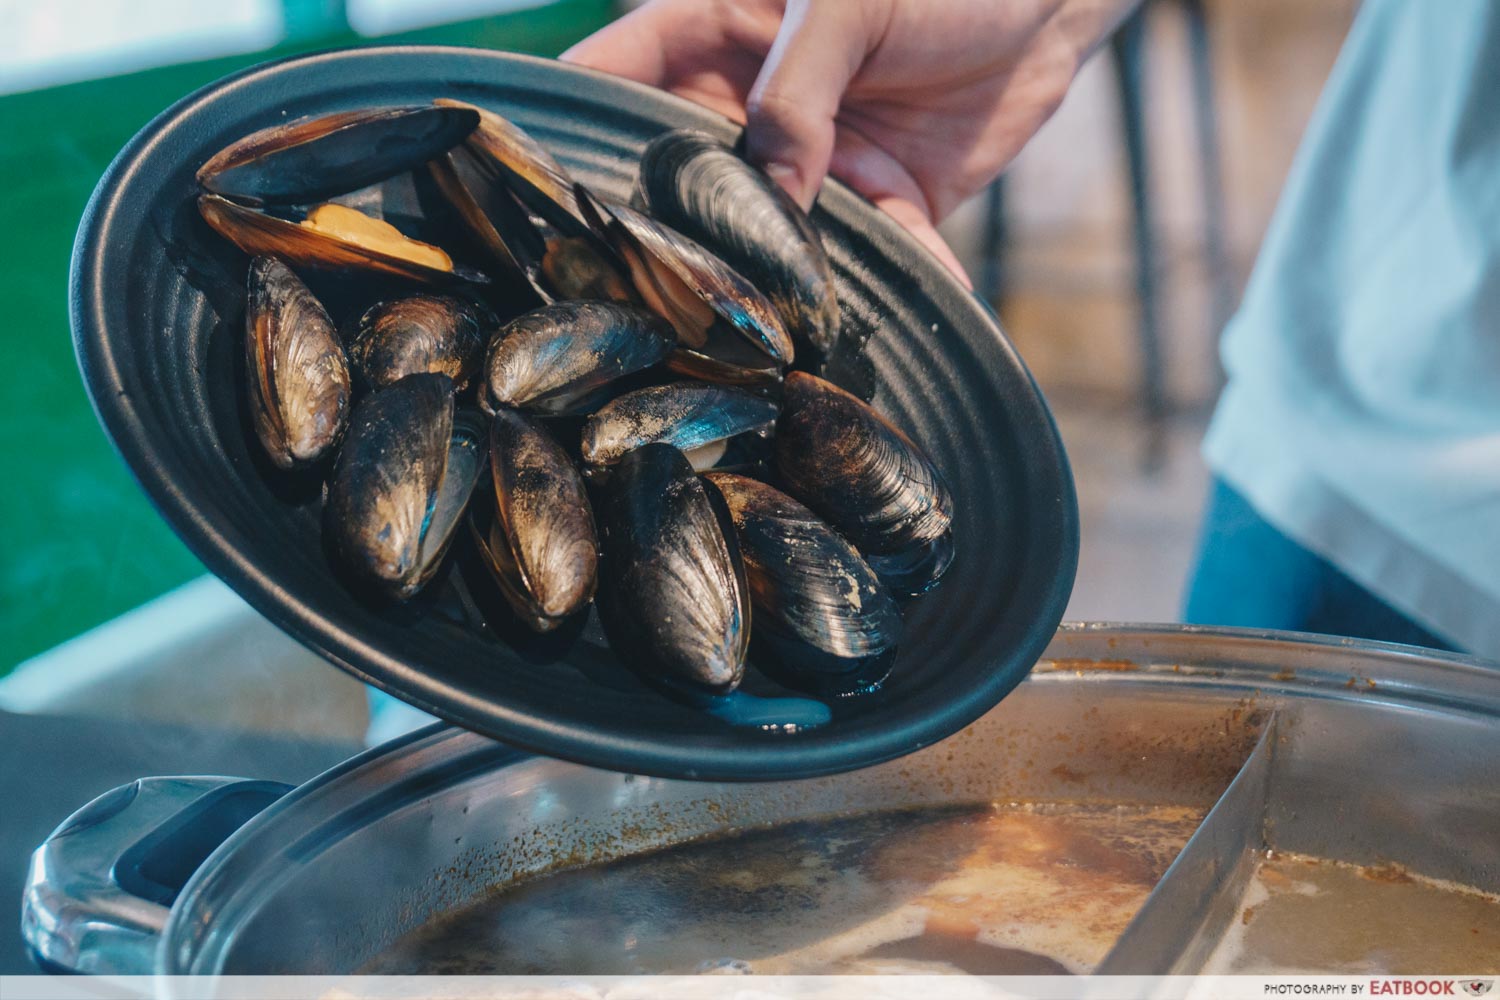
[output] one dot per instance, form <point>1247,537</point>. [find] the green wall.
<point>79,542</point>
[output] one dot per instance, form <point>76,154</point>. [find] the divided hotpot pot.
<point>1363,752</point>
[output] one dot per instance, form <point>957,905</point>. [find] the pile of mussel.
<point>599,398</point>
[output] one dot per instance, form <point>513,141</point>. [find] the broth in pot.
<point>991,889</point>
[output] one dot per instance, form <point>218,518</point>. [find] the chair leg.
<point>1215,240</point>
<point>1128,50</point>
<point>992,277</point>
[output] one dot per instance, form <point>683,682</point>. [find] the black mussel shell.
<point>541,546</point>
<point>692,416</point>
<point>551,265</point>
<point>401,483</point>
<point>552,358</point>
<point>855,469</point>
<point>730,360</point>
<point>500,176</point>
<point>313,159</point>
<point>298,379</point>
<point>420,333</point>
<point>699,187</point>
<point>823,621</point>
<point>916,569</point>
<point>261,234</point>
<point>727,330</point>
<point>528,169</point>
<point>672,596</point>
<point>582,267</point>
<point>468,456</point>
<point>498,224</point>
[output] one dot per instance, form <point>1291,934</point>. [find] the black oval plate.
<point>157,308</point>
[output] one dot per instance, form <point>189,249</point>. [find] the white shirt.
<point>1362,415</point>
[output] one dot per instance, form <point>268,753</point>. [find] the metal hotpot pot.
<point>1363,752</point>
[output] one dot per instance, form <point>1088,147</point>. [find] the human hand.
<point>916,104</point>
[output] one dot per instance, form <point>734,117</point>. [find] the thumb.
<point>791,108</point>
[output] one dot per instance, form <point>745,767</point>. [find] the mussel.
<point>497,222</point>
<point>577,267</point>
<point>402,481</point>
<point>700,188</point>
<point>332,237</point>
<point>295,366</point>
<point>519,202</point>
<point>823,621</point>
<point>698,417</point>
<point>839,456</point>
<point>673,596</point>
<point>312,159</point>
<point>420,333</point>
<point>532,172</point>
<point>266,192</point>
<point>727,331</point>
<point>540,546</point>
<point>552,359</point>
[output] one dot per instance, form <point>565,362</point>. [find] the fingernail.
<point>789,179</point>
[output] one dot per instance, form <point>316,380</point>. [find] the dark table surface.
<point>49,766</point>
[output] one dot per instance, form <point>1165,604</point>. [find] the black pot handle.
<point>101,886</point>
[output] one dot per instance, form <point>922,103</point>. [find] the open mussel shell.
<point>420,333</point>
<point>540,546</point>
<point>499,176</point>
<point>552,359</point>
<point>583,267</point>
<point>294,363</point>
<point>727,331</point>
<point>729,360</point>
<point>401,483</point>
<point>839,456</point>
<point>672,596</point>
<point>496,221</point>
<point>699,187</point>
<point>362,247</point>
<point>823,621</point>
<point>532,172</point>
<point>551,264</point>
<point>312,159</point>
<point>699,418</point>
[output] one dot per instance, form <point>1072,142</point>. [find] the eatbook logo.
<point>1478,987</point>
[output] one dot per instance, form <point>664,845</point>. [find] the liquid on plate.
<point>990,890</point>
<point>1312,915</point>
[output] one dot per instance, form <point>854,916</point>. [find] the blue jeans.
<point>1250,574</point>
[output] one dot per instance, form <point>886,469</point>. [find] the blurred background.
<point>1113,249</point>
